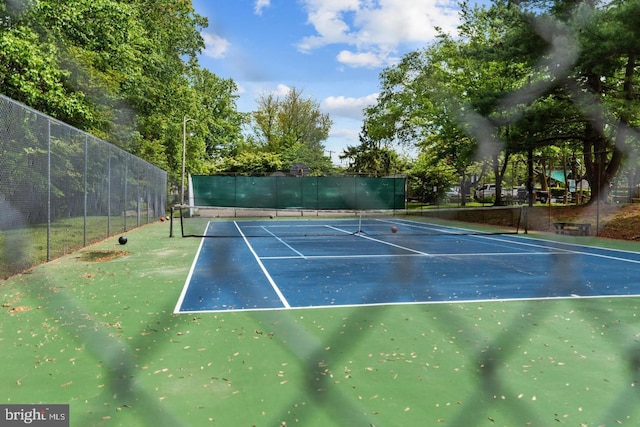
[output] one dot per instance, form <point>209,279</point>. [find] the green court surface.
<point>95,329</point>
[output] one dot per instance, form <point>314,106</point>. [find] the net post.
<point>360,231</point>
<point>181,220</point>
<point>171,218</point>
<point>171,222</point>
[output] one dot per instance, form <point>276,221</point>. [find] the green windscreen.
<point>282,192</point>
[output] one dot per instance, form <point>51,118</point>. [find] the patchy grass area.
<point>22,248</point>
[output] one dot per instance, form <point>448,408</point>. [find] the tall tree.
<point>125,71</point>
<point>430,177</point>
<point>293,127</point>
<point>587,79</point>
<point>215,104</point>
<point>371,157</point>
<point>608,71</point>
<point>212,124</point>
<point>445,99</point>
<point>32,73</point>
<point>523,75</point>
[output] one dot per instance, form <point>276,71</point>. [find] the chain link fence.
<point>62,189</point>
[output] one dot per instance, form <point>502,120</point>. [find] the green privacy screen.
<point>282,192</point>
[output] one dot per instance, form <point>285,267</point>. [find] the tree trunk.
<point>597,149</point>
<point>499,171</point>
<point>603,157</point>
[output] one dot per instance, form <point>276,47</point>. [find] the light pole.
<point>184,154</point>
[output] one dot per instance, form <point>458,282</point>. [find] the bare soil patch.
<point>613,221</point>
<point>101,256</point>
<point>624,224</point>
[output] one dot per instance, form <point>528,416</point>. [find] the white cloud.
<point>398,21</point>
<point>260,5</point>
<point>347,106</point>
<point>328,19</point>
<point>362,59</point>
<point>376,27</point>
<point>215,46</point>
<point>282,90</point>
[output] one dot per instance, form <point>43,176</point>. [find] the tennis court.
<point>281,264</point>
<point>100,332</point>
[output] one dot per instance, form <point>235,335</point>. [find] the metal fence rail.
<point>62,189</point>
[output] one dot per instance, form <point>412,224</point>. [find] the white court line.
<point>516,240</point>
<point>300,254</point>
<point>432,302</point>
<point>263,268</point>
<point>554,245</point>
<point>187,282</point>
<point>443,255</point>
<point>444,229</point>
<point>380,241</point>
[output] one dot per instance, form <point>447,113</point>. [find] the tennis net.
<point>205,221</point>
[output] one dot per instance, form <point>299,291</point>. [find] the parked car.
<point>538,195</point>
<point>486,192</point>
<point>453,195</point>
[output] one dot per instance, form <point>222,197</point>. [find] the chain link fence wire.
<point>62,189</point>
<point>496,360</point>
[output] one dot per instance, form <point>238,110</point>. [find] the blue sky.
<point>331,50</point>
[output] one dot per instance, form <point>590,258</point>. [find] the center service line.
<point>264,270</point>
<point>301,255</point>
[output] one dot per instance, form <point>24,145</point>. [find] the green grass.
<point>99,333</point>
<point>22,248</point>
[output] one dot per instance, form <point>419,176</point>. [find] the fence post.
<point>109,193</point>
<point>48,189</point>
<point>86,188</point>
<point>126,195</point>
<point>48,200</point>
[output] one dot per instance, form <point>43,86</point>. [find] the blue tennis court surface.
<point>267,264</point>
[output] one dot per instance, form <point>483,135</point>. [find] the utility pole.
<point>184,154</point>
